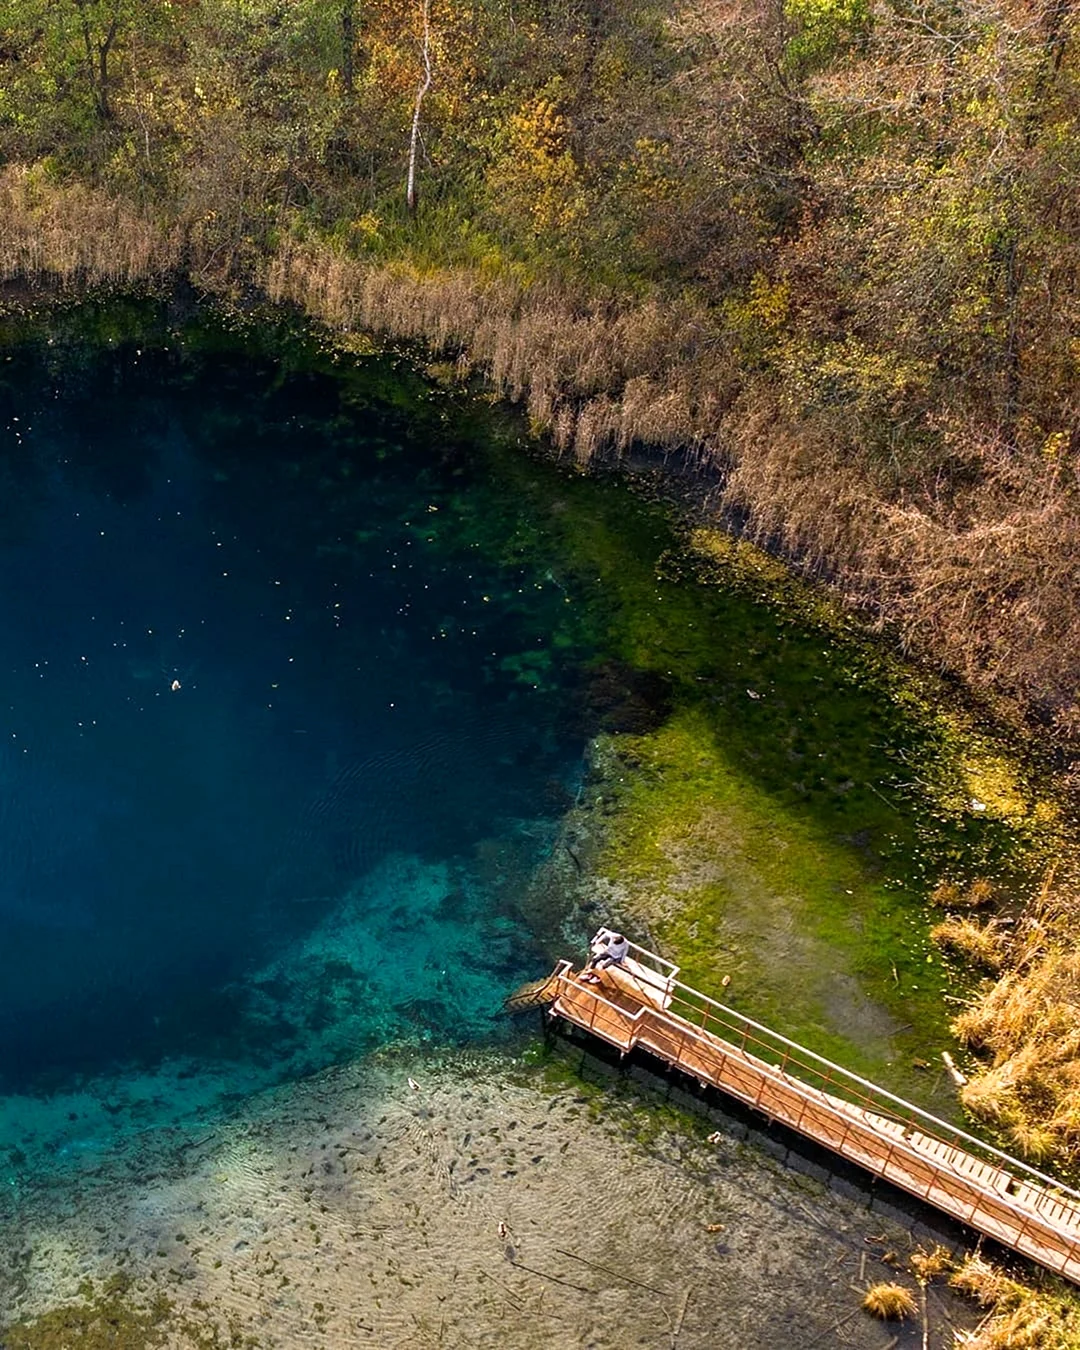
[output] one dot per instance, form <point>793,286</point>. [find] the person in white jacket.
<point>608,949</point>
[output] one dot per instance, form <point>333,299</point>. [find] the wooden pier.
<point>642,1003</point>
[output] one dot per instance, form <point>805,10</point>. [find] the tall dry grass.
<point>982,944</point>
<point>70,233</point>
<point>976,569</point>
<point>1026,1028</point>
<point>594,378</point>
<point>1019,1317</point>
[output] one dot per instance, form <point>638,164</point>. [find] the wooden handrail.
<point>981,1185</point>
<point>870,1093</point>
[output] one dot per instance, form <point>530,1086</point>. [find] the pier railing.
<point>690,1018</point>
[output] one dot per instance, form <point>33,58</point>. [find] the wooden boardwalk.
<point>646,1005</point>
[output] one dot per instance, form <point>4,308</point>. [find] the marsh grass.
<point>1026,1029</point>
<point>1019,1316</point>
<point>928,1263</point>
<point>890,1302</point>
<point>949,894</point>
<point>980,944</point>
<point>70,233</point>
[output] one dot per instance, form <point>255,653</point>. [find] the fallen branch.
<point>626,1279</point>
<point>680,1319</point>
<point>581,1288</point>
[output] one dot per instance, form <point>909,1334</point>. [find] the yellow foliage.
<point>539,130</point>
<point>769,303</point>
<point>647,177</point>
<point>538,177</point>
<point>1055,444</point>
<point>760,317</point>
<point>368,227</point>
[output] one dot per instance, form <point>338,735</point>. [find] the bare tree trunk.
<point>347,44</point>
<point>97,60</point>
<point>421,90</point>
<point>103,69</point>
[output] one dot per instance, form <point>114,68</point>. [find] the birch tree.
<point>421,90</point>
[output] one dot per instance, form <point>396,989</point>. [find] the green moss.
<point>735,883</point>
<point>803,792</point>
<point>106,1318</point>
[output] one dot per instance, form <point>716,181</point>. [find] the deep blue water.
<point>275,751</point>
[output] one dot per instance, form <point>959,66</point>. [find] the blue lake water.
<point>299,660</point>
<point>275,751</point>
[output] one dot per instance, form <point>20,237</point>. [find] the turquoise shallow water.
<point>275,757</point>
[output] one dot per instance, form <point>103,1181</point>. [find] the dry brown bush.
<point>950,894</point>
<point>946,895</point>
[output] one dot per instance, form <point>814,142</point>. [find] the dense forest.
<point>826,248</point>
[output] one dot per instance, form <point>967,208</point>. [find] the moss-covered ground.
<point>798,794</point>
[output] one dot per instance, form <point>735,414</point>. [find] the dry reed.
<point>981,944</point>
<point>1019,1317</point>
<point>595,380</point>
<point>927,1263</point>
<point>70,233</point>
<point>950,894</point>
<point>890,1302</point>
<point>1027,1028</point>
<point>987,1284</point>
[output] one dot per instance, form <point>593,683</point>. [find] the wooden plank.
<point>1018,1213</point>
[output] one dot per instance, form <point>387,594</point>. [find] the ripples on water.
<point>263,731</point>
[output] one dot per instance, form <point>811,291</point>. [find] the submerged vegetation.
<point>102,1317</point>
